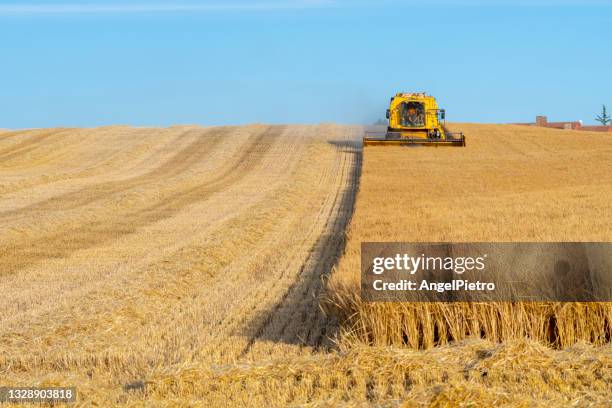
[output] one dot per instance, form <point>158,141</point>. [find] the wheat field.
<point>192,266</point>
<point>127,250</point>
<point>511,183</point>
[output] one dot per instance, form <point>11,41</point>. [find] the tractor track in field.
<point>16,255</point>
<point>27,145</point>
<point>283,310</point>
<point>113,164</point>
<point>176,165</point>
<point>297,318</point>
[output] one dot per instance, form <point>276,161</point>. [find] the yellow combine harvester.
<point>415,119</point>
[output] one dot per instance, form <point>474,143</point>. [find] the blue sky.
<point>228,62</point>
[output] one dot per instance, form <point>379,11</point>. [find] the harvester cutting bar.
<point>395,138</point>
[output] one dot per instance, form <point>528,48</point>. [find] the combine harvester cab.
<point>414,119</point>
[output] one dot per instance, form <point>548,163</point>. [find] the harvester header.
<point>415,119</point>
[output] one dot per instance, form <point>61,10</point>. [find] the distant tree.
<point>604,118</point>
<point>380,122</point>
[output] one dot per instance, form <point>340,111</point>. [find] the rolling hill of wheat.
<point>219,266</point>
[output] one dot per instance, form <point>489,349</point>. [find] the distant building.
<point>597,128</point>
<point>542,121</point>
